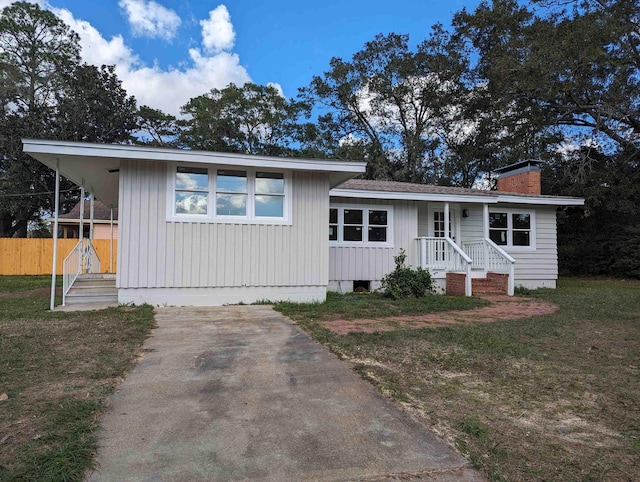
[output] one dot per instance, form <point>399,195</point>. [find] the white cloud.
<point>217,30</point>
<point>213,66</point>
<point>149,18</point>
<point>165,89</point>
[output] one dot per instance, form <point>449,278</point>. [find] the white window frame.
<point>212,216</point>
<point>365,225</point>
<point>532,231</point>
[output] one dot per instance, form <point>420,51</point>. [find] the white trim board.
<point>218,296</point>
<point>87,150</point>
<point>490,198</point>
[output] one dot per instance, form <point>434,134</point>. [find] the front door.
<point>437,230</point>
<point>437,224</point>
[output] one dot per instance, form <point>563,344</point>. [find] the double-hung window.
<point>512,228</point>
<point>192,191</point>
<point>229,195</point>
<point>360,225</point>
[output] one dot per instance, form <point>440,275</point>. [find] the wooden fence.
<point>35,255</point>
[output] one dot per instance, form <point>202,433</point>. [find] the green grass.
<point>57,370</point>
<point>374,306</point>
<point>13,284</point>
<point>553,397</point>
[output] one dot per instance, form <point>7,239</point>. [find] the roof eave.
<point>144,153</point>
<point>541,200</point>
<point>413,196</point>
<point>462,198</point>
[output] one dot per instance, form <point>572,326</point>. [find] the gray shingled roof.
<point>100,211</point>
<point>394,186</point>
<point>408,187</point>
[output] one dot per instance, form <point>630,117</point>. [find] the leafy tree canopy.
<point>253,119</point>
<point>45,92</point>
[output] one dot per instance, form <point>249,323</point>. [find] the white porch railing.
<point>442,254</point>
<point>488,256</point>
<point>82,259</point>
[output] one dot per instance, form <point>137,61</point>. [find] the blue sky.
<point>167,51</point>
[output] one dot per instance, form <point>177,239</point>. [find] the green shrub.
<point>404,282</point>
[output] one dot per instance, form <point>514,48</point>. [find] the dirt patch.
<point>500,308</point>
<point>24,294</point>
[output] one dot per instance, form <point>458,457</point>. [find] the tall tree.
<point>94,107</point>
<point>414,114</point>
<point>156,128</point>
<point>36,49</point>
<point>45,92</point>
<point>574,69</point>
<point>253,119</point>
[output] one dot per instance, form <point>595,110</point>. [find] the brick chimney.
<point>522,177</point>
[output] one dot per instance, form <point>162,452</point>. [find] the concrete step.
<point>78,290</point>
<point>82,298</point>
<point>106,284</point>
<point>93,288</point>
<point>97,276</point>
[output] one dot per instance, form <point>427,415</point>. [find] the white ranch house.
<point>208,228</point>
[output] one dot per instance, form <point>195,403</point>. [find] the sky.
<point>168,51</point>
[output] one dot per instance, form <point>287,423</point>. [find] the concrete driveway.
<point>241,393</point>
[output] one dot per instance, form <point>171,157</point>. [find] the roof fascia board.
<point>549,201</point>
<point>489,199</point>
<point>120,151</point>
<point>413,196</point>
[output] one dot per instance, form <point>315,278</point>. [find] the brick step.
<point>493,284</point>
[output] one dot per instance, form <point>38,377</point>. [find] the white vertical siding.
<point>471,228</point>
<point>536,268</point>
<point>156,253</point>
<point>373,263</point>
<point>423,218</point>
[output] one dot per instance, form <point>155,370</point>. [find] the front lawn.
<point>554,397</point>
<point>56,370</point>
<point>373,306</point>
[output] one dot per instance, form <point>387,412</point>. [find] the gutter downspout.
<point>55,237</point>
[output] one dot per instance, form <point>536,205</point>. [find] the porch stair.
<point>493,284</point>
<point>93,288</point>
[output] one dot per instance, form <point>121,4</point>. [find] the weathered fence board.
<point>35,255</point>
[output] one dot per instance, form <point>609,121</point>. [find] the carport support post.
<point>55,237</point>
<point>111,243</point>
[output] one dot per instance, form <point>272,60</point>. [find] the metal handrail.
<point>71,268</point>
<point>83,258</point>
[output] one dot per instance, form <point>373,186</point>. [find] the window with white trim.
<point>217,194</point>
<point>512,228</point>
<point>360,225</point>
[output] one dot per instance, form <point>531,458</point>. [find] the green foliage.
<point>157,128</point>
<point>600,238</point>
<point>251,119</point>
<point>45,92</point>
<point>405,282</point>
<point>401,110</point>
